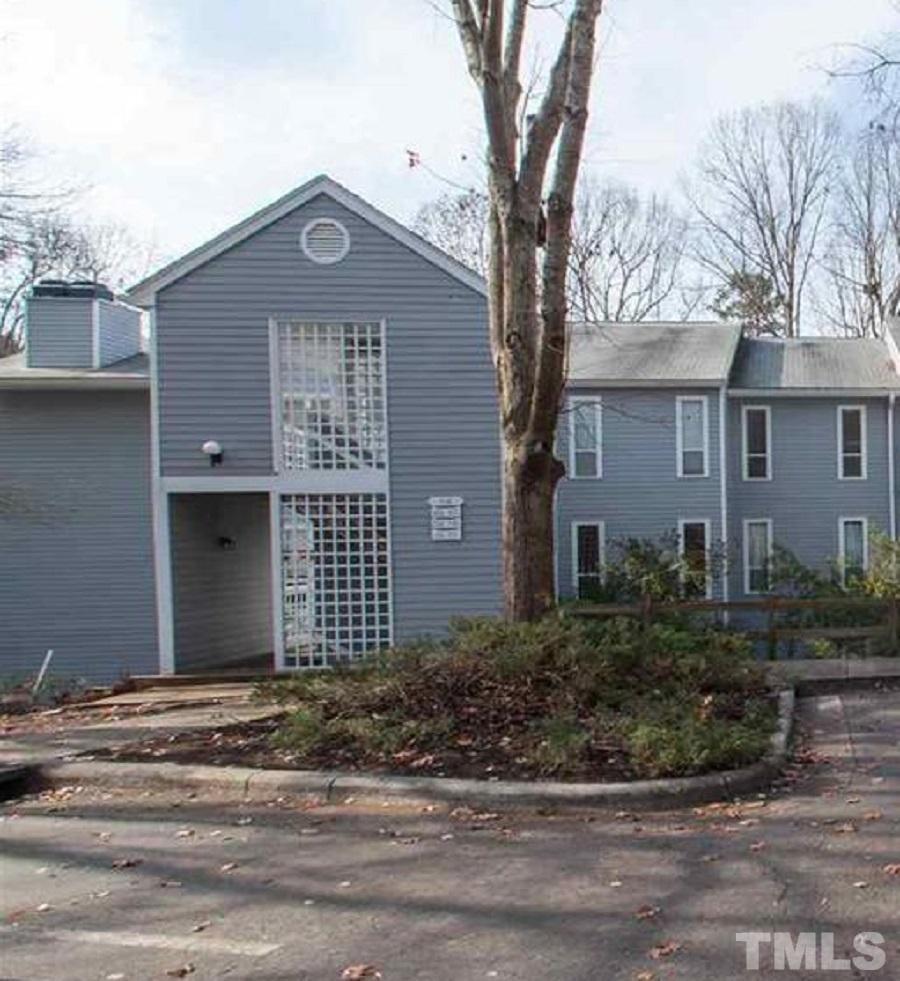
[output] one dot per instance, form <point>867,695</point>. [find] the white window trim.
<point>864,445</point>
<point>842,550</point>
<point>597,403</point>
<point>601,534</point>
<point>679,436</point>
<point>707,525</point>
<point>745,445</point>
<point>746,549</point>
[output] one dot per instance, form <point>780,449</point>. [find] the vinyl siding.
<point>213,350</point>
<point>120,332</point>
<point>222,596</point>
<point>59,332</point>
<point>639,494</point>
<point>76,565</point>
<point>805,499</point>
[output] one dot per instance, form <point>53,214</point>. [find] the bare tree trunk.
<point>528,332</point>
<point>529,484</point>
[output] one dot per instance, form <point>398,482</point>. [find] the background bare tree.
<point>528,322</point>
<point>861,263</point>
<point>458,224</point>
<point>760,197</point>
<point>627,254</point>
<point>40,238</point>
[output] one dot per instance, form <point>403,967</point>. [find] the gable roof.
<point>814,363</point>
<point>650,354</point>
<point>144,292</point>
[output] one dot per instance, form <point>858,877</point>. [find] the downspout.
<point>892,502</point>
<point>723,490</point>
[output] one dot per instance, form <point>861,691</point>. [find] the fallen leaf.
<point>126,863</point>
<point>358,972</point>
<point>892,869</point>
<point>757,846</point>
<point>853,800</point>
<point>860,885</point>
<point>615,884</point>
<point>181,972</point>
<point>847,828</point>
<point>229,867</point>
<point>645,976</point>
<point>170,884</point>
<point>665,949</point>
<point>200,927</point>
<point>185,833</point>
<point>646,912</point>
<point>872,816</point>
<point>43,908</point>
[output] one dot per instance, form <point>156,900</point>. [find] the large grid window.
<point>692,435</point>
<point>851,442</point>
<point>331,380</point>
<point>335,577</point>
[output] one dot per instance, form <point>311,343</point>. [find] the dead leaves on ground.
<point>893,868</point>
<point>646,912</point>
<point>360,972</point>
<point>666,949</point>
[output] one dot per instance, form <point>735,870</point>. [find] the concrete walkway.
<point>73,731</point>
<point>132,886</point>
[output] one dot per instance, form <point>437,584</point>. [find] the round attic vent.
<point>325,241</point>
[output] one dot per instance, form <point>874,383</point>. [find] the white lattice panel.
<point>332,396</point>
<point>335,576</point>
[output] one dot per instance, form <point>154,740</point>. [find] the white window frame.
<point>842,543</point>
<point>745,441</point>
<point>746,550</point>
<point>864,441</point>
<point>597,403</point>
<point>707,532</point>
<point>601,535</point>
<point>679,436</point>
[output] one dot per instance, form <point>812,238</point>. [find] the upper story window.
<point>588,545</point>
<point>851,424</point>
<point>853,534</point>
<point>692,435</point>
<point>332,397</point>
<point>757,442</point>
<point>585,438</point>
<point>757,555</point>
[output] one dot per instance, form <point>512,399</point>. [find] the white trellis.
<point>331,378</point>
<point>335,577</point>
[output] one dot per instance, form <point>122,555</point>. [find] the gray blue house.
<point>305,464</point>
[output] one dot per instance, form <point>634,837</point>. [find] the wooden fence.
<point>774,609</point>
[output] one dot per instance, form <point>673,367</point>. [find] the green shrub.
<point>686,743</point>
<point>555,696</point>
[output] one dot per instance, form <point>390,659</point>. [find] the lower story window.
<point>336,603</point>
<point>853,549</point>
<point>693,543</point>
<point>587,558</point>
<point>757,555</point>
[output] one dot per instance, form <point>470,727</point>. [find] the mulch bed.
<point>250,744</point>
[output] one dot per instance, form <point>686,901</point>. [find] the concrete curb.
<point>243,782</point>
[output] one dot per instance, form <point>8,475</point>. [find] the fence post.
<point>772,640</point>
<point>646,609</point>
<point>892,626</point>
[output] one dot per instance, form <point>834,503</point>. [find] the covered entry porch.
<point>265,581</point>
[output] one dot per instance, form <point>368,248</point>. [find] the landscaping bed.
<point>563,699</point>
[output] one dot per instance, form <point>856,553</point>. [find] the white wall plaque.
<point>446,518</point>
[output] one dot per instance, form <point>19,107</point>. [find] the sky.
<point>180,117</point>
